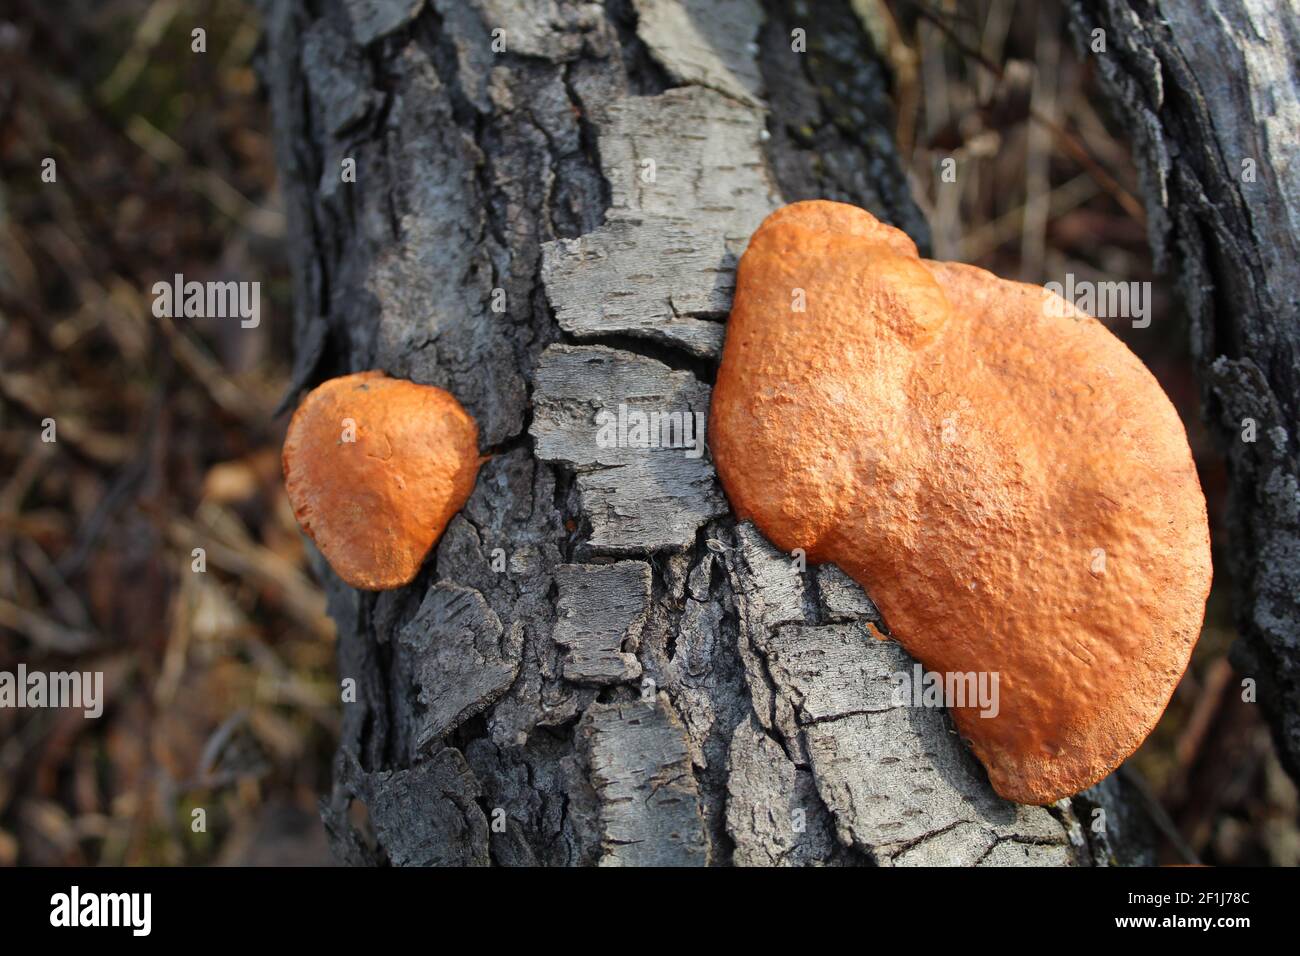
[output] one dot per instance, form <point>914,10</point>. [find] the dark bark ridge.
<point>598,666</point>
<point>1212,97</point>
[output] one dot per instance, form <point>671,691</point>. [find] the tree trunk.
<point>1212,96</point>
<point>598,665</point>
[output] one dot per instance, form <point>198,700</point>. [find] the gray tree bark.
<point>598,665</point>
<point>1211,94</point>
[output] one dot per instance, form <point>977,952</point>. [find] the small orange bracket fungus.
<point>1002,474</point>
<point>375,467</point>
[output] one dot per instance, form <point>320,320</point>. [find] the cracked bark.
<point>1211,94</point>
<point>598,666</point>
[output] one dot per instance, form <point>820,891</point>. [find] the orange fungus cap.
<point>999,472</point>
<point>375,467</point>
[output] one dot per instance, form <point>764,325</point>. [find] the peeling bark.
<point>463,659</point>
<point>648,796</point>
<point>598,666</point>
<point>602,609</point>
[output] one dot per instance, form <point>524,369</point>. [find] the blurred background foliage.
<point>220,686</point>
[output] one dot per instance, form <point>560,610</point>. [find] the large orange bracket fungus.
<point>375,467</point>
<point>1003,476</point>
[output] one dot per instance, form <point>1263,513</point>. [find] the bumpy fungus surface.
<point>1002,475</point>
<point>375,504</point>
